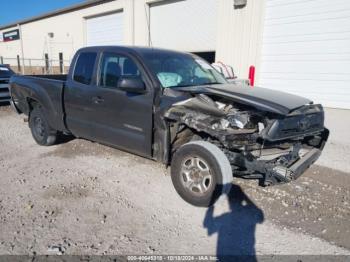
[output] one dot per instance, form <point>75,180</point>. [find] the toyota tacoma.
<point>175,108</point>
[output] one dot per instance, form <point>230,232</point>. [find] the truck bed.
<point>46,89</point>
<point>52,77</point>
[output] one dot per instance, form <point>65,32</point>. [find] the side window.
<point>84,68</point>
<point>114,66</point>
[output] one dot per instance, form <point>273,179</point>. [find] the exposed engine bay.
<point>263,145</point>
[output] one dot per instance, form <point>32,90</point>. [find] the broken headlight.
<point>239,120</point>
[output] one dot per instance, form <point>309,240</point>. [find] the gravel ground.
<point>81,197</point>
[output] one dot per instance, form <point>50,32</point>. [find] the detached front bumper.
<point>282,169</point>
<point>282,174</point>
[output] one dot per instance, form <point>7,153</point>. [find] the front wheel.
<point>200,173</point>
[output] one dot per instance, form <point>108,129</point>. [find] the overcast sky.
<point>14,10</point>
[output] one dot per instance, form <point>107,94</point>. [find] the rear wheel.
<point>201,172</point>
<point>42,133</point>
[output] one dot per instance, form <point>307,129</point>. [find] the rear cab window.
<point>84,67</point>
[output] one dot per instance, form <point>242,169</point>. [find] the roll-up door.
<point>184,25</point>
<point>306,49</point>
<point>105,30</point>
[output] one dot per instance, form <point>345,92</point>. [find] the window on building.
<point>84,68</point>
<point>207,56</point>
<point>114,66</point>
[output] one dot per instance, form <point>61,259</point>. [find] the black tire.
<point>188,180</point>
<point>42,133</point>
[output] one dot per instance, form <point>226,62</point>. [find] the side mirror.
<point>132,85</point>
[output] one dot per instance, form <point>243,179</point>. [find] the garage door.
<point>105,30</point>
<point>306,49</point>
<point>184,25</point>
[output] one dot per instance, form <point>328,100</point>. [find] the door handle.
<point>97,100</point>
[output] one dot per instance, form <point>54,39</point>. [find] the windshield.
<point>5,72</point>
<point>177,70</point>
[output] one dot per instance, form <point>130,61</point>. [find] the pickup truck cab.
<point>175,108</point>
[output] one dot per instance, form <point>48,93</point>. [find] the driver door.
<point>122,119</point>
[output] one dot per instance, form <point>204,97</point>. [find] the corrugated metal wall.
<point>240,35</point>
<point>306,50</point>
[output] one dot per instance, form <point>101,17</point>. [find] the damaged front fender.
<point>203,115</point>
<point>258,144</point>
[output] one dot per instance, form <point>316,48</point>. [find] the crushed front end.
<point>271,147</point>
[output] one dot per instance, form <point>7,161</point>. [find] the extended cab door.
<point>117,117</point>
<point>78,94</point>
<point>123,119</point>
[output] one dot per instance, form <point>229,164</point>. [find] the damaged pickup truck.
<point>176,109</point>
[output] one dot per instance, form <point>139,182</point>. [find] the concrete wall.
<point>68,29</point>
<point>239,36</point>
<point>239,32</point>
<point>10,49</point>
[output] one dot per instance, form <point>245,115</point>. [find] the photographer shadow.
<point>236,228</point>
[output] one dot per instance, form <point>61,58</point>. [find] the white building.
<point>298,46</point>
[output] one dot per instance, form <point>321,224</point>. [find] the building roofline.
<point>56,12</point>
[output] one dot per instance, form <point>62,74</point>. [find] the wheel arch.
<point>219,167</point>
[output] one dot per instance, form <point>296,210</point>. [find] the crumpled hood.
<point>260,98</point>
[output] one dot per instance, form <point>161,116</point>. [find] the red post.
<point>251,75</point>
